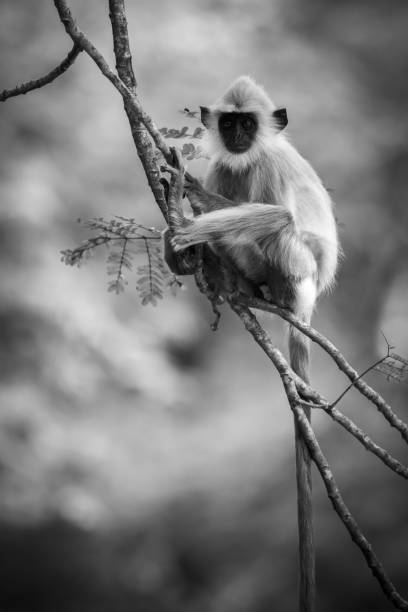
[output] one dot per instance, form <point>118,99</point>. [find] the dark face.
<point>238,131</point>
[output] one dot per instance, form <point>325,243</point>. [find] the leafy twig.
<point>118,234</point>
<point>118,284</point>
<point>394,367</point>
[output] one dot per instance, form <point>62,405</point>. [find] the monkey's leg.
<point>252,222</point>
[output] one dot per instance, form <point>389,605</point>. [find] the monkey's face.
<point>237,131</point>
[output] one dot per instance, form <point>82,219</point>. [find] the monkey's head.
<point>242,123</point>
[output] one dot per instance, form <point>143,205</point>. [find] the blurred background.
<point>147,463</point>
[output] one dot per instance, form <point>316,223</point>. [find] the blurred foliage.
<point>146,463</point>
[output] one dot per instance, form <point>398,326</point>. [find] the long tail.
<point>299,360</point>
<point>299,353</point>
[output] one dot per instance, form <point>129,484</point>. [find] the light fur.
<point>280,221</point>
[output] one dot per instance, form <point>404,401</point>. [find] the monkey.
<point>263,207</point>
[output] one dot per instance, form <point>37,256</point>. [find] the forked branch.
<point>261,338</point>
<point>337,357</point>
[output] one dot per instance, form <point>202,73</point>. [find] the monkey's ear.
<point>205,116</point>
<point>281,118</point>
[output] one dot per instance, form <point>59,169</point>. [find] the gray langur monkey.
<point>263,207</point>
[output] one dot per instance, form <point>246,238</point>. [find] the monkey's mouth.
<point>241,148</point>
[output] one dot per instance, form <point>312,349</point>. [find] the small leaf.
<point>198,133</point>
<point>394,367</point>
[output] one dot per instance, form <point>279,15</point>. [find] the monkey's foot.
<point>196,193</point>
<point>193,185</point>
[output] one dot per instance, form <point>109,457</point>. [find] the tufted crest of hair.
<point>244,95</point>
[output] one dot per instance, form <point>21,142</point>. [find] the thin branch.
<point>343,512</point>
<point>119,275</point>
<point>366,371</point>
<point>24,88</point>
<point>340,507</point>
<point>367,442</point>
<point>356,432</point>
<point>353,384</point>
<point>279,362</point>
<point>337,357</point>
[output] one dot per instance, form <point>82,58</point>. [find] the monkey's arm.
<point>201,200</point>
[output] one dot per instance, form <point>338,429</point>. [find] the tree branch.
<point>24,88</point>
<point>121,46</point>
<point>367,442</point>
<point>124,67</point>
<point>356,432</point>
<point>337,357</point>
<point>333,491</point>
<point>84,43</point>
<point>343,512</point>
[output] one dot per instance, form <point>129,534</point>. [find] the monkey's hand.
<point>196,193</point>
<point>182,236</point>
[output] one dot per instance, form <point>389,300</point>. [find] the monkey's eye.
<point>227,124</point>
<point>248,124</point>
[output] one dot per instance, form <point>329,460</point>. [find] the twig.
<point>360,376</point>
<point>337,357</point>
<point>356,432</point>
<point>119,275</point>
<point>343,512</point>
<point>366,371</point>
<point>367,442</point>
<point>24,88</point>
